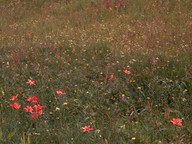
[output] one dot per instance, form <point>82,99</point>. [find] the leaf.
<point>28,140</point>
<point>1,134</point>
<point>11,134</point>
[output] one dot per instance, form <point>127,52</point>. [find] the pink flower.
<point>154,60</point>
<point>111,77</point>
<point>33,99</point>
<point>176,121</point>
<point>13,98</point>
<point>30,82</point>
<point>87,129</point>
<point>28,109</point>
<point>127,72</point>
<point>60,92</point>
<point>15,106</point>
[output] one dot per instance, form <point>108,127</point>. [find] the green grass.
<point>76,46</point>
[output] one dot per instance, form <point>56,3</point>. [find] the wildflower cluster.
<point>32,104</point>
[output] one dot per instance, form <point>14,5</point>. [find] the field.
<point>96,72</point>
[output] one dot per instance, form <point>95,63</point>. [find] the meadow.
<point>96,72</point>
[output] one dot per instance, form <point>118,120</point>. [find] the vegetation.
<point>102,71</point>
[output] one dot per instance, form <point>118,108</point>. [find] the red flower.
<point>35,115</point>
<point>87,129</point>
<point>38,111</point>
<point>111,77</point>
<point>13,98</point>
<point>28,109</point>
<point>38,108</point>
<point>127,72</point>
<point>15,106</point>
<point>176,121</point>
<point>105,3</point>
<point>33,99</point>
<point>60,92</point>
<point>30,82</point>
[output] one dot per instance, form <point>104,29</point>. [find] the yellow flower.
<point>65,103</point>
<point>57,109</point>
<point>133,138</point>
<point>139,88</point>
<point>123,95</point>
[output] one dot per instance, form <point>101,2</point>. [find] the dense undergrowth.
<point>121,67</point>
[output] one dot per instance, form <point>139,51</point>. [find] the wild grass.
<point>77,46</point>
